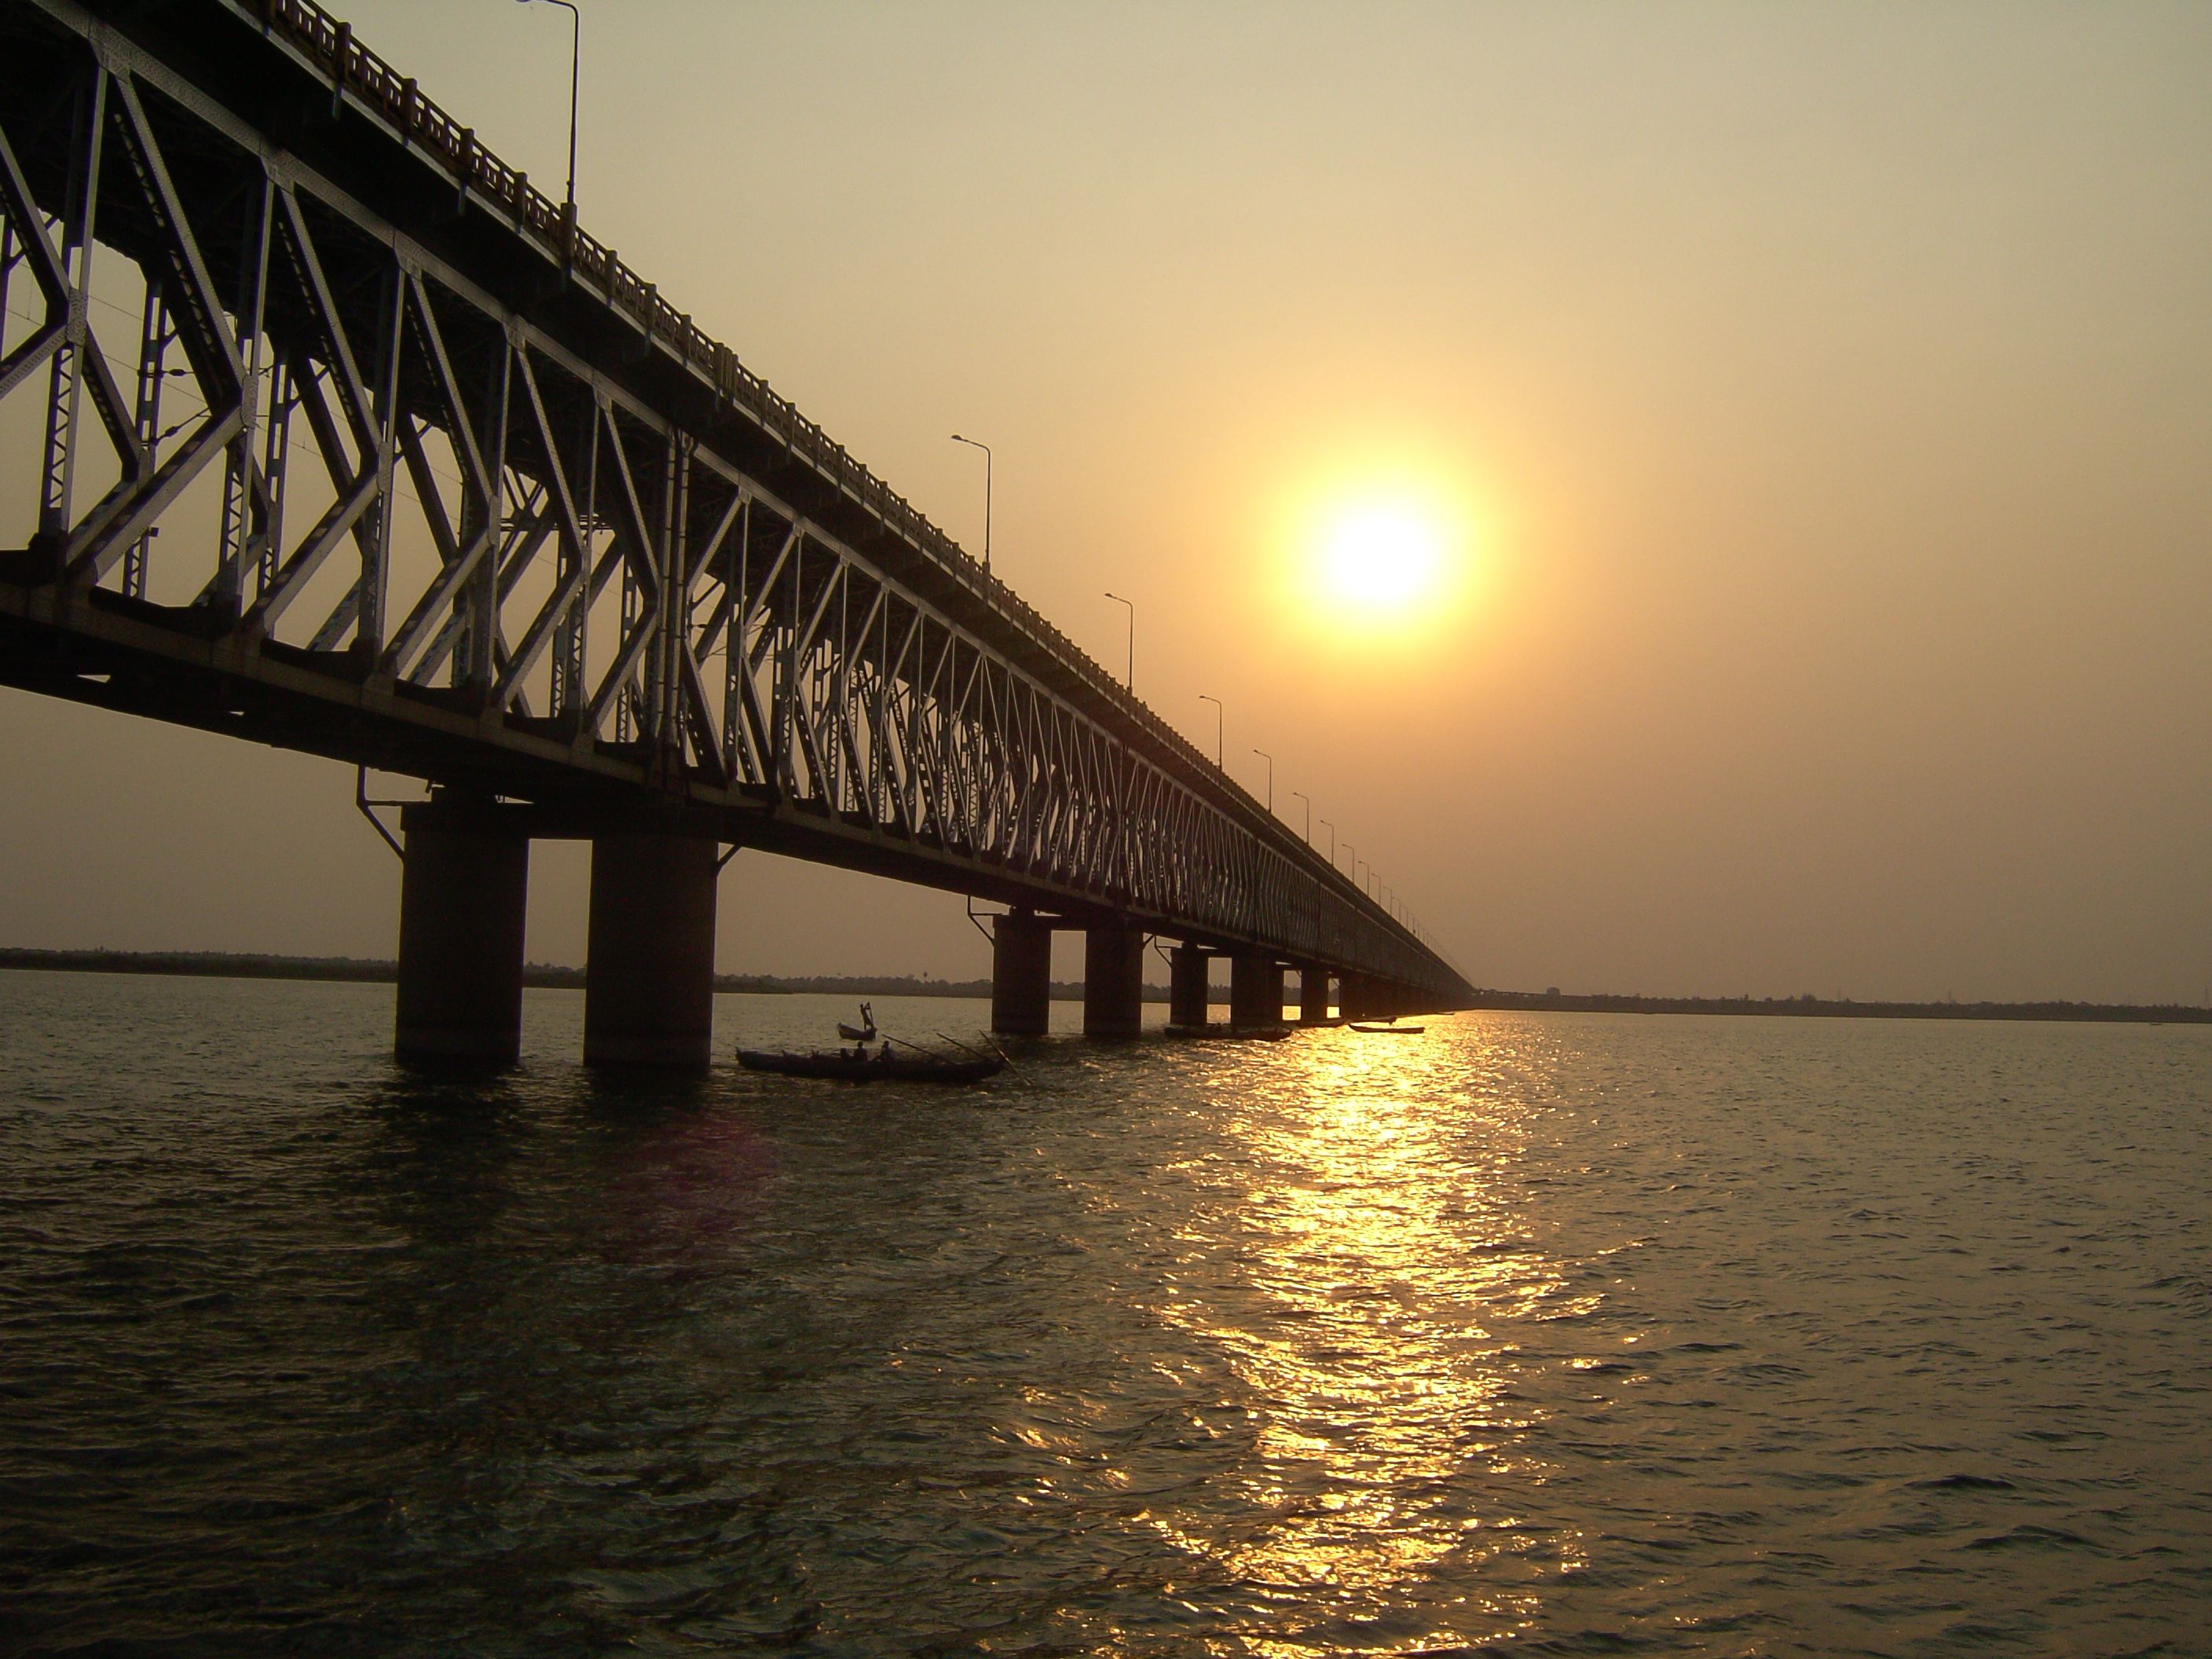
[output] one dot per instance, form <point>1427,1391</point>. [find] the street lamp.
<point>1331,828</point>
<point>1352,860</point>
<point>1299,794</point>
<point>985,449</point>
<point>1130,679</point>
<point>1221,720</point>
<point>1270,759</point>
<point>575,58</point>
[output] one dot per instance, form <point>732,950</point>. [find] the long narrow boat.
<point>1389,1031</point>
<point>842,1067</point>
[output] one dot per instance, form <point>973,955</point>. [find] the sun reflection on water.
<point>1360,1253</point>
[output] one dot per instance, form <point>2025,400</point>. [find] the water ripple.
<point>1539,1334</point>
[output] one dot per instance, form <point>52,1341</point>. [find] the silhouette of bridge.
<point>321,426</point>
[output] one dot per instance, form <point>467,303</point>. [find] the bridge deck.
<point>326,428</point>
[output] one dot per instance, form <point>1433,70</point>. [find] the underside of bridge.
<point>325,428</point>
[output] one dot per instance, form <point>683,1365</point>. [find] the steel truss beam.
<point>428,516</point>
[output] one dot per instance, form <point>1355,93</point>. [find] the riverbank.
<point>224,964</point>
<point>1844,1008</point>
<point>227,964</point>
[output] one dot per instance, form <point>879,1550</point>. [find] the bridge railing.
<point>330,44</point>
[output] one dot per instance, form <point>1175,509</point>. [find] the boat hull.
<point>843,1068</point>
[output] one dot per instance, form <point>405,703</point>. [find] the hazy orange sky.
<point>1821,396</point>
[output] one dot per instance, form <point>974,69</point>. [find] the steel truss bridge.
<point>321,426</point>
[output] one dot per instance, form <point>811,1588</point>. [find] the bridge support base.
<point>1255,990</point>
<point>1021,974</point>
<point>462,899</point>
<point>1313,995</point>
<point>1352,1001</point>
<point>649,971</point>
<point>1113,980</point>
<point>1188,995</point>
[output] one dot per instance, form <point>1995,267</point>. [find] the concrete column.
<point>1021,974</point>
<point>462,895</point>
<point>1352,996</point>
<point>1313,994</point>
<point>1187,990</point>
<point>1113,980</point>
<point>1255,990</point>
<point>649,966</point>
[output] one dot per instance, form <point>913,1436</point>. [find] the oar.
<point>1003,1055</point>
<point>965,1049</point>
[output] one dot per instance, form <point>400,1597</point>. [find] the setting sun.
<point>1376,553</point>
<point>1381,556</point>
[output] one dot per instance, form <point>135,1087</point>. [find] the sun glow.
<point>1380,554</point>
<point>1377,554</point>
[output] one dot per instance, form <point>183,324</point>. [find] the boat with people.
<point>857,1065</point>
<point>865,1030</point>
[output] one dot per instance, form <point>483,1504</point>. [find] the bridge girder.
<point>417,475</point>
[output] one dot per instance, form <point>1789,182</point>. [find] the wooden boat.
<point>1389,1031</point>
<point>865,1030</point>
<point>843,1065</point>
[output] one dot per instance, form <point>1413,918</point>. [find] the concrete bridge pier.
<point>463,895</point>
<point>1113,980</point>
<point>1021,974</point>
<point>1187,994</point>
<point>1256,989</point>
<point>1313,995</point>
<point>649,967</point>
<point>1352,997</point>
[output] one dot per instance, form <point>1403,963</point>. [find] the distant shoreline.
<point>224,964</point>
<point>2125,1013</point>
<point>376,970</point>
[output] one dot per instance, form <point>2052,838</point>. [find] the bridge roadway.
<point>321,426</point>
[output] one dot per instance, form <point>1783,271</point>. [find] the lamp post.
<point>1331,828</point>
<point>1299,794</point>
<point>1270,759</point>
<point>1352,858</point>
<point>985,449</point>
<point>1220,721</point>
<point>575,59</point>
<point>1130,679</point>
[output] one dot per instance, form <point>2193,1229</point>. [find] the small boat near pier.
<point>857,1066</point>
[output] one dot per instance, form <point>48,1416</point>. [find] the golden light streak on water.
<point>1385,1252</point>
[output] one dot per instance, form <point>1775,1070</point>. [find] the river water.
<point>1544,1334</point>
